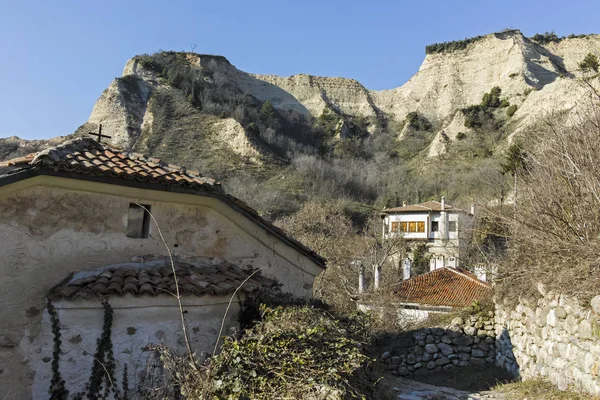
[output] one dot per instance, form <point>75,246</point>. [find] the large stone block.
<point>585,330</point>
<point>463,341</point>
<point>431,348</point>
<point>470,330</point>
<point>560,312</point>
<point>445,349</point>
<point>551,318</point>
<point>478,353</point>
<point>483,346</point>
<point>442,361</point>
<point>595,303</point>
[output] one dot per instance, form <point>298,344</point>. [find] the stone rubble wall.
<point>430,350</point>
<point>554,337</point>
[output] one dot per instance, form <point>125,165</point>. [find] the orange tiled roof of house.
<point>443,287</point>
<point>84,158</point>
<point>426,206</point>
<point>153,278</point>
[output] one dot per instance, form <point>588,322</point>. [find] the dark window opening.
<point>435,226</point>
<point>138,221</point>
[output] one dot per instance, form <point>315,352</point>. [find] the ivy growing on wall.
<point>57,384</point>
<point>102,379</point>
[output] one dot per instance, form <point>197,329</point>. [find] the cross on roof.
<point>99,134</point>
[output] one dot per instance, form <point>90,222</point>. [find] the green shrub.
<point>418,122</point>
<point>589,63</point>
<point>546,37</point>
<point>327,123</point>
<point>513,75</point>
<point>461,135</point>
<point>451,46</point>
<point>510,111</point>
<point>293,352</point>
<point>504,103</point>
<point>492,99</point>
<point>477,116</point>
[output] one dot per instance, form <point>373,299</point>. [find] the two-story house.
<point>438,225</point>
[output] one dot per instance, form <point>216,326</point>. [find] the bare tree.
<point>381,250</point>
<point>556,228</point>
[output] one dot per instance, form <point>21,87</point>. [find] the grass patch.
<point>539,389</point>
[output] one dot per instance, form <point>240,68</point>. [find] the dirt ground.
<point>469,379</point>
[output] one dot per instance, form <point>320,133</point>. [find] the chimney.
<point>472,208</point>
<point>443,203</point>
<point>404,203</point>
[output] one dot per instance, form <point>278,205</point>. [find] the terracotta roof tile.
<point>87,157</point>
<point>426,206</point>
<point>156,277</point>
<point>443,287</point>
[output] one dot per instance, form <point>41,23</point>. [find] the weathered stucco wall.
<point>137,323</point>
<point>47,232</point>
<point>554,337</point>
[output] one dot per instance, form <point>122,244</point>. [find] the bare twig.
<point>229,305</point>
<point>177,294</point>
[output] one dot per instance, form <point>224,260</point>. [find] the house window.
<point>435,226</point>
<point>138,221</point>
<point>395,226</point>
<point>412,227</point>
<point>452,226</point>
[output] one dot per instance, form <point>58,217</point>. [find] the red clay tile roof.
<point>427,206</point>
<point>88,158</point>
<point>197,278</point>
<point>443,287</point>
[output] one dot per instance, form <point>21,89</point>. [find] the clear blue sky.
<point>58,56</point>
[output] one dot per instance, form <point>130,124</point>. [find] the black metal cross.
<point>99,134</point>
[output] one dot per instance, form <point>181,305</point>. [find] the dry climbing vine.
<point>57,384</point>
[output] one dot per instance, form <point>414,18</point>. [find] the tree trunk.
<point>376,277</point>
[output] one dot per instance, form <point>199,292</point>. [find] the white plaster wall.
<point>137,322</point>
<point>412,217</point>
<point>48,232</point>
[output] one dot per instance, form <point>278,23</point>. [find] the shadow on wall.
<point>463,355</point>
<point>505,357</point>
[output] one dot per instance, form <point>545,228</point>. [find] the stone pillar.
<point>406,267</point>
<point>361,278</point>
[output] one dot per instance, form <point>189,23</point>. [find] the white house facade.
<point>438,225</point>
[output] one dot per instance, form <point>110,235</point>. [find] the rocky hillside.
<point>201,111</point>
<point>446,81</point>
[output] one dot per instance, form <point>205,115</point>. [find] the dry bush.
<point>556,223</point>
<point>326,228</point>
<point>292,352</point>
